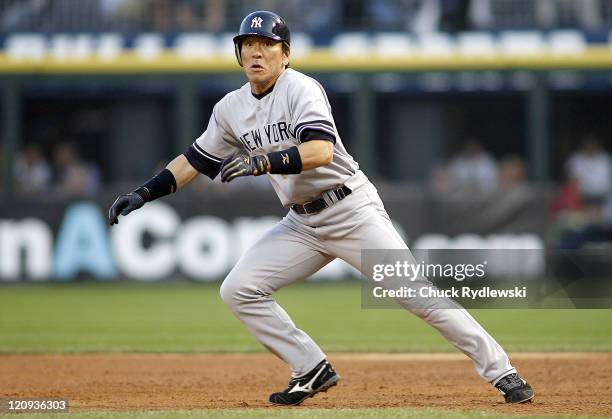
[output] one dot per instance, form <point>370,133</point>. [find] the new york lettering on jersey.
<point>273,133</point>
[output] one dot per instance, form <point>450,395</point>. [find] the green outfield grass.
<point>186,317</point>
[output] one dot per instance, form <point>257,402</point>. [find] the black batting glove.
<point>123,205</point>
<point>241,164</point>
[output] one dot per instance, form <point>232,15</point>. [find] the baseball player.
<point>280,124</point>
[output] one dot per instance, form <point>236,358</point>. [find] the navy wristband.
<point>285,162</point>
<point>160,185</point>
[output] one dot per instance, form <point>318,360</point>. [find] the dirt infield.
<point>564,383</point>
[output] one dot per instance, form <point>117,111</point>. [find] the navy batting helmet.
<point>262,23</point>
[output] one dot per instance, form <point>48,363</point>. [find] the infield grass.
<point>188,317</point>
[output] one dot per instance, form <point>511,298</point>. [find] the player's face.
<point>263,60</point>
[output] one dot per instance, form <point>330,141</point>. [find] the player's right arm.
<point>182,171</point>
<point>178,173</point>
<point>201,157</point>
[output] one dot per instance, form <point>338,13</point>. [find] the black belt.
<point>320,204</point>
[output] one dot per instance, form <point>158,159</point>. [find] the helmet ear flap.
<point>237,50</point>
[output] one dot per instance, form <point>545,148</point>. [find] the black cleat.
<point>514,389</point>
<point>321,378</point>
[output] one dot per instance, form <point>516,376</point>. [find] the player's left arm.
<point>290,161</point>
<point>316,153</point>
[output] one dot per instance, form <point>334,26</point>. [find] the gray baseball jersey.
<point>295,110</point>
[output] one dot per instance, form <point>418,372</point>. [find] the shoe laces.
<point>509,382</point>
<point>291,383</point>
<point>303,377</point>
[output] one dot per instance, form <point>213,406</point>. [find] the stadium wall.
<point>201,238</point>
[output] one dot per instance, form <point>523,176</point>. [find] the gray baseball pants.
<point>299,246</point>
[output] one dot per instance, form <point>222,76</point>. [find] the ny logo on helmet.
<point>256,22</point>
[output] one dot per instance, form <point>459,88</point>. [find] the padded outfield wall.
<point>199,235</point>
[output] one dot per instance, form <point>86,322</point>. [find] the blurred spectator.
<point>512,171</point>
<point>186,17</point>
<point>124,15</point>
<point>539,14</point>
<point>569,217</point>
<point>213,15</point>
<point>473,168</point>
<point>420,16</point>
<point>591,168</point>
<point>439,179</point>
<point>71,15</point>
<point>454,15</point>
<point>568,200</point>
<point>23,15</point>
<point>320,18</point>
<point>578,226</point>
<point>74,176</point>
<point>481,14</point>
<point>161,15</point>
<point>584,14</point>
<point>32,172</point>
<point>387,15</point>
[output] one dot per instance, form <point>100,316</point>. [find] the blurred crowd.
<point>581,210</point>
<point>317,17</point>
<point>66,175</point>
<point>474,170</point>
